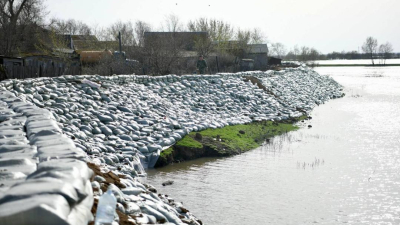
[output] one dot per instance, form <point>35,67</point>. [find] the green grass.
<point>255,134</point>
<point>231,138</point>
<point>189,142</point>
<point>167,152</point>
<point>166,156</point>
<point>234,140</point>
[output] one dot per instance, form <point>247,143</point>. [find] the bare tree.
<point>369,47</point>
<point>278,50</point>
<point>314,54</point>
<point>220,32</point>
<point>386,51</point>
<point>18,21</point>
<point>163,52</point>
<point>100,32</point>
<point>70,26</point>
<point>257,36</point>
<point>127,33</point>
<point>51,42</point>
<point>203,45</point>
<point>243,38</point>
<point>140,28</point>
<point>296,51</point>
<point>304,53</point>
<point>172,23</point>
<point>308,55</point>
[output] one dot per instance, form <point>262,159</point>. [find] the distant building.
<point>246,65</point>
<point>186,40</point>
<point>272,61</point>
<point>259,53</point>
<point>11,61</point>
<point>89,43</point>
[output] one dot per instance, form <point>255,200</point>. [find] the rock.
<point>242,132</point>
<point>198,137</point>
<point>166,183</point>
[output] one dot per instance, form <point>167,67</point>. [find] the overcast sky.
<point>327,25</point>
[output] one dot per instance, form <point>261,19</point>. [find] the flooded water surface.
<point>345,169</point>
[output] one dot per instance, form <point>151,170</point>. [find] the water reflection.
<point>345,169</point>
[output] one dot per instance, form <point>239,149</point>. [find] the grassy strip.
<point>227,141</point>
<point>189,141</point>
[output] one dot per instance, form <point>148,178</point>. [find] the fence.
<point>22,72</point>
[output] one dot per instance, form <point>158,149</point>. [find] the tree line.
<point>24,25</point>
<point>370,50</point>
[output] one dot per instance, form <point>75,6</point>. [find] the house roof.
<point>188,38</point>
<point>258,48</point>
<point>89,43</point>
<point>147,34</point>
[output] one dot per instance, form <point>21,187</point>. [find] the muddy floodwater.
<point>345,169</point>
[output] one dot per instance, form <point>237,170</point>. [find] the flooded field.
<point>345,169</point>
<point>357,62</point>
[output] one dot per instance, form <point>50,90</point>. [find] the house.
<point>89,49</point>
<point>11,61</point>
<point>185,40</point>
<point>259,53</point>
<point>246,65</point>
<point>81,43</point>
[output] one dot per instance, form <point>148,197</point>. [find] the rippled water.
<point>345,169</point>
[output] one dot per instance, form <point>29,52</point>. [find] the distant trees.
<point>303,54</point>
<point>127,33</point>
<point>219,31</point>
<point>258,37</point>
<point>229,43</point>
<point>278,50</point>
<point>22,23</point>
<point>369,47</point>
<point>345,55</point>
<point>172,23</point>
<point>140,28</point>
<point>70,26</point>
<point>386,51</point>
<point>162,53</point>
<point>308,54</point>
<point>19,20</point>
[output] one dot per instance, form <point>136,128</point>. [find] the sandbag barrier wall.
<point>44,179</point>
<point>13,86</point>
